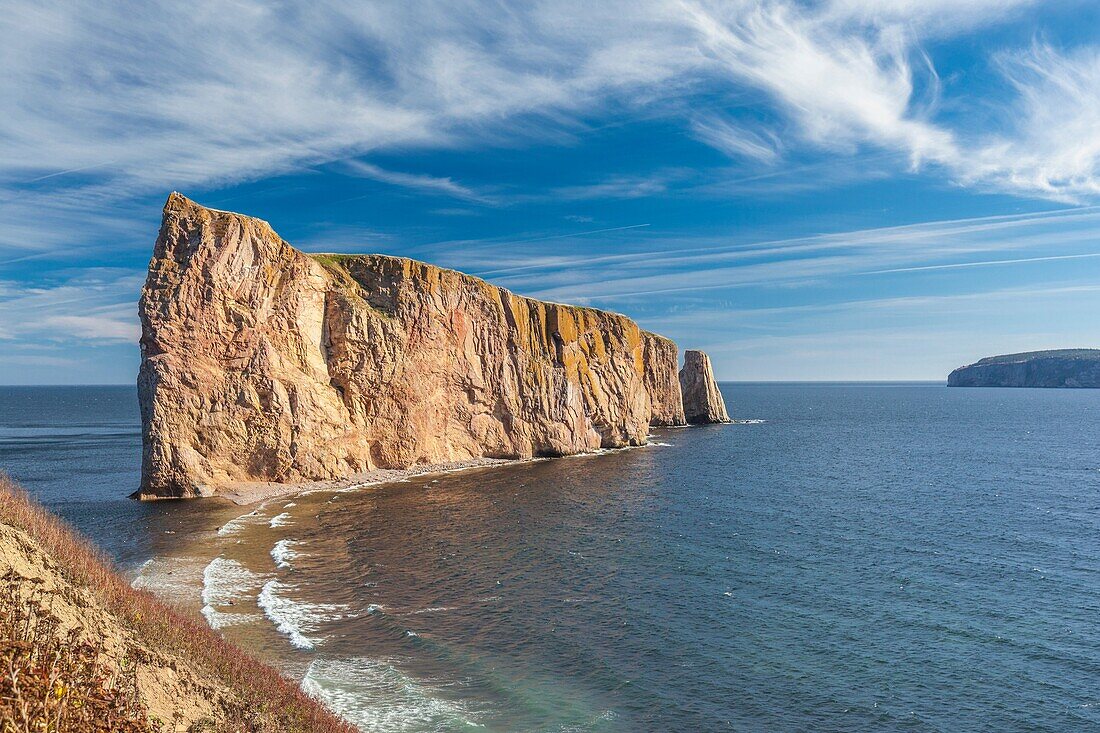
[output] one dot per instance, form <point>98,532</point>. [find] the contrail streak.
<point>981,264</point>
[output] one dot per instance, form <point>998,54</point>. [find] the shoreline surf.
<point>189,577</point>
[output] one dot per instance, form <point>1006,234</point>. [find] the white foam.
<point>434,609</point>
<point>288,506</point>
<point>375,695</point>
<point>172,578</point>
<point>282,553</point>
<point>226,582</point>
<point>216,619</point>
<point>356,487</point>
<point>280,520</point>
<point>297,619</point>
<point>233,526</point>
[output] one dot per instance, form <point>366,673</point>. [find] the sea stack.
<point>703,403</point>
<point>261,363</point>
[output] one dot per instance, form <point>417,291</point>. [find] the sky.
<point>836,190</point>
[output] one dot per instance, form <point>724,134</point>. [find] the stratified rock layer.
<point>262,363</point>
<point>1073,368</point>
<point>703,403</point>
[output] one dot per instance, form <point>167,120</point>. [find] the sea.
<point>845,557</point>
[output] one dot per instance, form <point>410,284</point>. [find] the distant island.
<point>1068,368</point>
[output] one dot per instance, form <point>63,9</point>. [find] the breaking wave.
<point>226,582</point>
<point>233,526</point>
<point>282,553</point>
<point>298,620</point>
<point>375,695</point>
<point>172,577</point>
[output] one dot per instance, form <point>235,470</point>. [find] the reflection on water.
<point>886,557</point>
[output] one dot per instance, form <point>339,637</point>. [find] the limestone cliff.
<point>703,401</point>
<point>262,363</point>
<point>1078,368</point>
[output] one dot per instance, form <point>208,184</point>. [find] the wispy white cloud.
<point>853,73</point>
<point>679,266</point>
<point>616,187</point>
<point>430,184</point>
<point>902,337</point>
<point>940,17</point>
<point>634,260</point>
<point>109,102</point>
<point>105,101</point>
<point>841,88</point>
<point>135,99</point>
<point>736,140</point>
<point>106,325</point>
<point>97,306</point>
<point>1052,146</point>
<point>36,360</point>
<point>984,263</point>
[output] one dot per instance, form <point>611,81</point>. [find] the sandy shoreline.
<point>179,577</point>
<point>245,494</point>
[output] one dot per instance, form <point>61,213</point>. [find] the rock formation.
<point>660,359</point>
<point>703,402</point>
<point>262,363</point>
<point>1078,368</point>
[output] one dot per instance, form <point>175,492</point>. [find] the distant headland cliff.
<point>261,363</point>
<point>1078,368</point>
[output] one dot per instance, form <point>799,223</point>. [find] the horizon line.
<point>720,381</point>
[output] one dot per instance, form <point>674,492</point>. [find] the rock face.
<point>1078,368</point>
<point>703,402</point>
<point>660,357</point>
<point>262,363</point>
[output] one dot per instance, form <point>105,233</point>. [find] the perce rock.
<point>703,403</point>
<point>1078,368</point>
<point>264,364</point>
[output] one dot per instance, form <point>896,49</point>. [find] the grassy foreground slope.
<point>80,650</point>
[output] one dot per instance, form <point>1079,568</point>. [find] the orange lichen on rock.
<point>263,364</point>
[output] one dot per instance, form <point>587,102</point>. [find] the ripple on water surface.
<point>870,557</point>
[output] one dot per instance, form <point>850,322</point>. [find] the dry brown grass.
<point>270,703</point>
<point>55,681</point>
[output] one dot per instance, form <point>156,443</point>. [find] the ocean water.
<point>900,557</point>
<point>78,451</point>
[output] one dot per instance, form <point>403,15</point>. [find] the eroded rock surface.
<point>262,363</point>
<point>703,402</point>
<point>1071,368</point>
<point>660,359</point>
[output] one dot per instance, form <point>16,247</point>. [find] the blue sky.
<point>837,190</point>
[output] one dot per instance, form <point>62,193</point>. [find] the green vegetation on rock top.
<point>1083,354</point>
